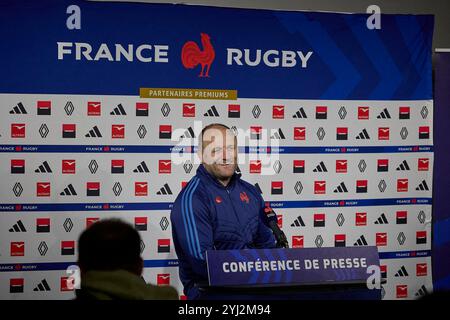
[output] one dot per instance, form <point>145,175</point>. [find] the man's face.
<point>219,152</point>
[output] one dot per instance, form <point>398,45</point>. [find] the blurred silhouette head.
<point>108,245</point>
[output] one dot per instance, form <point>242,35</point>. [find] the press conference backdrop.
<point>334,122</point>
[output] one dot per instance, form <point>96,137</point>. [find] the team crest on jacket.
<point>244,197</point>
<point>218,199</point>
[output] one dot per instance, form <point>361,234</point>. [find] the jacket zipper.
<point>234,210</point>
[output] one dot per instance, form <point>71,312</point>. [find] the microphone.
<point>270,220</point>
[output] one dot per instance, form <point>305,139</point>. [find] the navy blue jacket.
<point>208,216</point>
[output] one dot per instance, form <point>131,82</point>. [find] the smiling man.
<point>217,210</point>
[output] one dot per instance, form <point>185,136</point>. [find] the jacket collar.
<point>203,173</point>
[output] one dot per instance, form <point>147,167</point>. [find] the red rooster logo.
<point>191,55</point>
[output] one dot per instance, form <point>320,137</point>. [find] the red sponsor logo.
<point>421,237</point>
<point>255,166</point>
<point>383,164</point>
<point>402,185</point>
<point>421,269</point>
<point>402,216</point>
<point>402,291</point>
<point>361,185</point>
<point>118,131</point>
<point>341,166</point>
<point>424,132</point>
<point>67,284</point>
<point>44,107</point>
<point>164,245</point>
<point>165,166</point>
<point>404,112</point>
<point>94,108</point>
<point>68,166</point>
<point>299,133</point>
<point>234,110</point>
<point>17,130</point>
<point>321,112</point>
<point>140,189</point>
<point>16,284</point>
<point>165,131</point>
<point>381,239</point>
<point>17,165</point>
<point>319,219</point>
<point>255,132</point>
<point>141,107</point>
<point>188,109</point>
<point>43,189</point>
<point>383,269</point>
<point>363,113</point>
<point>423,164</point>
<point>342,133</point>
<point>297,241</point>
<point>319,187</point>
<point>339,239</point>
<point>278,112</point>
<point>43,223</point>
<point>90,221</point>
<point>117,165</point>
<point>140,221</point>
<point>361,219</point>
<point>17,249</point>
<point>383,133</point>
<point>163,279</point>
<point>69,130</point>
<point>299,165</point>
<point>277,187</point>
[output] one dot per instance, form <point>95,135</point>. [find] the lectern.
<point>340,273</point>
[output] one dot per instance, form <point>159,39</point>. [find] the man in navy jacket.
<point>216,210</point>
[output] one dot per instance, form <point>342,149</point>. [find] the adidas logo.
<point>403,166</point>
<point>19,109</point>
<point>212,112</point>
<point>363,135</point>
<point>142,167</point>
<point>118,111</point>
<point>298,222</point>
<point>341,188</point>
<point>421,292</point>
<point>94,133</point>
<point>320,167</point>
<point>43,286</point>
<point>278,135</point>
<point>258,188</point>
<point>189,133</point>
<point>43,168</point>
<point>402,272</point>
<point>69,191</point>
<point>423,186</point>
<point>18,227</point>
<point>361,241</point>
<point>165,190</point>
<point>382,219</point>
<point>300,114</point>
<point>384,114</point>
